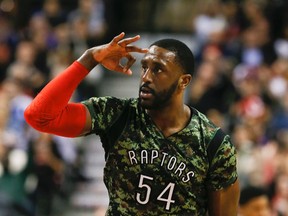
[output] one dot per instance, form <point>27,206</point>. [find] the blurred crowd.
<point>241,83</point>
<point>38,171</point>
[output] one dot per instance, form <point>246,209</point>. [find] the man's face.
<point>159,78</point>
<point>258,206</point>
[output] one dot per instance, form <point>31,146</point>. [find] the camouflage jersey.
<point>149,174</point>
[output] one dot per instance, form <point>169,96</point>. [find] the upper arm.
<point>224,202</point>
<point>101,112</point>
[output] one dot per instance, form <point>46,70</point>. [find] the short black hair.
<point>184,55</point>
<point>250,192</point>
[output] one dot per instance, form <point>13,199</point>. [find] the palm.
<point>112,60</point>
<point>109,55</point>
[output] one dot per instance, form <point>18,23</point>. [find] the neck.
<point>171,119</point>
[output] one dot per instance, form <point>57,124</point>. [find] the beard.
<point>159,99</point>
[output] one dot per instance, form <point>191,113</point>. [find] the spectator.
<point>280,198</point>
<point>14,199</point>
<point>48,164</point>
<point>210,24</point>
<point>211,89</point>
<point>254,201</point>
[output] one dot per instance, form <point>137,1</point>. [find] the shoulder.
<point>109,106</point>
<point>104,100</point>
<point>206,126</point>
<point>107,103</point>
<point>105,110</point>
<point>211,135</point>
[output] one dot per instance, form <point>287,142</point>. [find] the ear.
<point>184,81</point>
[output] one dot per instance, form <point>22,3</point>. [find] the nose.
<point>147,76</point>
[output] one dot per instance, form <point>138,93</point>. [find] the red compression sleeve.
<point>50,111</point>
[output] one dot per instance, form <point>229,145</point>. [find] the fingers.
<point>121,46</point>
<point>121,69</point>
<point>125,42</point>
<point>136,49</point>
<point>126,68</point>
<point>117,38</point>
<point>130,62</point>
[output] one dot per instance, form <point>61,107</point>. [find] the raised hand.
<point>109,55</point>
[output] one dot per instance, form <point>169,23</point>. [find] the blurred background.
<point>241,83</point>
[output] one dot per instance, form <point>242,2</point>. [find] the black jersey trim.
<point>214,143</point>
<point>114,132</point>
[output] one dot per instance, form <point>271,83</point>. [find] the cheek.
<point>160,86</point>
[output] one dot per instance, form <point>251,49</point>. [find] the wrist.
<point>87,60</point>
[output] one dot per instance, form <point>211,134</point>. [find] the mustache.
<point>145,88</point>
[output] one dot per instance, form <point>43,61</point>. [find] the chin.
<point>150,106</point>
<point>146,104</point>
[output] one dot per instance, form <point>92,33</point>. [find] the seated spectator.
<point>254,201</point>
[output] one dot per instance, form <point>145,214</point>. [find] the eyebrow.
<point>154,63</point>
<point>157,62</point>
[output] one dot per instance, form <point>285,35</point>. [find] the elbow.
<point>30,117</point>
<point>68,122</point>
<point>34,119</point>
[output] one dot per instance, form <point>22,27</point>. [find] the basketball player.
<point>162,156</point>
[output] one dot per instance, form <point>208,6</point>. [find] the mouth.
<point>146,92</point>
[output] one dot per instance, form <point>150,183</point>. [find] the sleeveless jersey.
<point>149,174</point>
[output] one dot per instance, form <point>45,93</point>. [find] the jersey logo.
<point>163,159</point>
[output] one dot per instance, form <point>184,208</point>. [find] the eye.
<point>144,68</point>
<point>154,68</point>
<point>157,69</point>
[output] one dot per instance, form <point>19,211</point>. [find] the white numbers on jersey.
<point>169,188</point>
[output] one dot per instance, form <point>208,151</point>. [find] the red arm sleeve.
<point>51,111</point>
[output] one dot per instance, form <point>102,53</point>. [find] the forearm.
<point>224,202</point>
<point>87,60</point>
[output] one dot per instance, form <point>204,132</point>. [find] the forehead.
<point>159,54</point>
